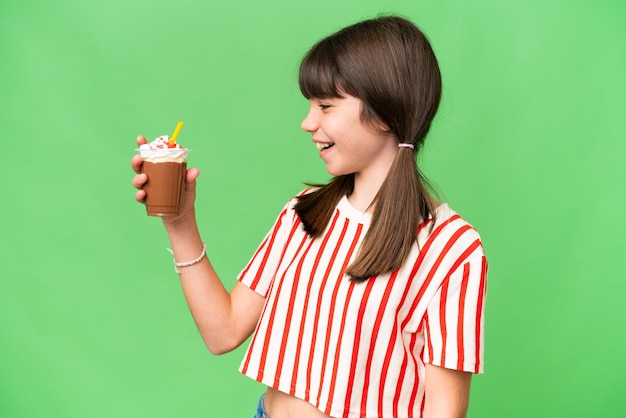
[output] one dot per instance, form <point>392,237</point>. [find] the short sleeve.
<point>454,320</point>
<point>261,269</point>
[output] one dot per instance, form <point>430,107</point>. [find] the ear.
<point>382,126</point>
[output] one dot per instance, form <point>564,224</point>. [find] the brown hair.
<point>388,64</point>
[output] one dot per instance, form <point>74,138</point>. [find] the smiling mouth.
<point>323,145</point>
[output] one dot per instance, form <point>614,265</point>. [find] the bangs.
<point>319,75</point>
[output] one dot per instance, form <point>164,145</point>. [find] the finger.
<point>190,181</point>
<point>192,175</point>
<point>141,140</point>
<point>139,181</point>
<point>136,163</point>
<point>140,196</point>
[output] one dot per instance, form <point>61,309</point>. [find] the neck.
<point>368,181</point>
<point>365,190</point>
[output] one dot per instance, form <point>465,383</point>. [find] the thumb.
<point>192,175</point>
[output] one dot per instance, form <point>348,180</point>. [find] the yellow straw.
<point>175,134</point>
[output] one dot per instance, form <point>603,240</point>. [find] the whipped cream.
<point>159,151</point>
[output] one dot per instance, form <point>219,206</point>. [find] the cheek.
<point>345,130</point>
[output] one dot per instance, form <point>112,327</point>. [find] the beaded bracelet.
<point>190,262</point>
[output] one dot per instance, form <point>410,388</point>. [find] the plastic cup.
<point>165,189</point>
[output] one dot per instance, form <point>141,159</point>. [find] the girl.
<point>366,297</point>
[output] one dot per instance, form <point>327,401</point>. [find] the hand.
<point>140,180</point>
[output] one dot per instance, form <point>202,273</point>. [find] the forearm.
<point>209,301</point>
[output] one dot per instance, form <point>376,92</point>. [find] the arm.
<point>447,392</point>
<point>224,319</point>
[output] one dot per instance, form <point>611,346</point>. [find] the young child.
<point>366,297</point>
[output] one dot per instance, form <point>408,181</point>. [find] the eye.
<point>324,106</point>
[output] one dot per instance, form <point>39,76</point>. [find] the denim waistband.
<point>260,409</point>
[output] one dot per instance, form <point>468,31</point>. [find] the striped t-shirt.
<point>359,349</point>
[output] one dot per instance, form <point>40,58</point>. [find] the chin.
<point>336,172</point>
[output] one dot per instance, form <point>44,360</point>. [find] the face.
<point>346,144</point>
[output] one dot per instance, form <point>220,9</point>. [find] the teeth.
<point>322,145</point>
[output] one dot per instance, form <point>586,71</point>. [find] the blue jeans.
<point>260,409</point>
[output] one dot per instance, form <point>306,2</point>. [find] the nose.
<point>309,123</point>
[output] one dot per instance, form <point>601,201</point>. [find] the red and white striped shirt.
<point>359,349</point>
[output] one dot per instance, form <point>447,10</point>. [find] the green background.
<point>528,146</point>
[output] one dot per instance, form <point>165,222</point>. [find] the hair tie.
<point>405,145</point>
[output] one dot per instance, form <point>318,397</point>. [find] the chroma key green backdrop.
<point>529,146</point>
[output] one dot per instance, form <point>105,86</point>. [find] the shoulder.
<point>294,199</point>
<point>298,197</point>
<point>451,233</point>
<point>289,210</point>
<point>307,191</point>
<point>448,219</point>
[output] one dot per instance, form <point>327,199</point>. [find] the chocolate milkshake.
<point>165,164</point>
